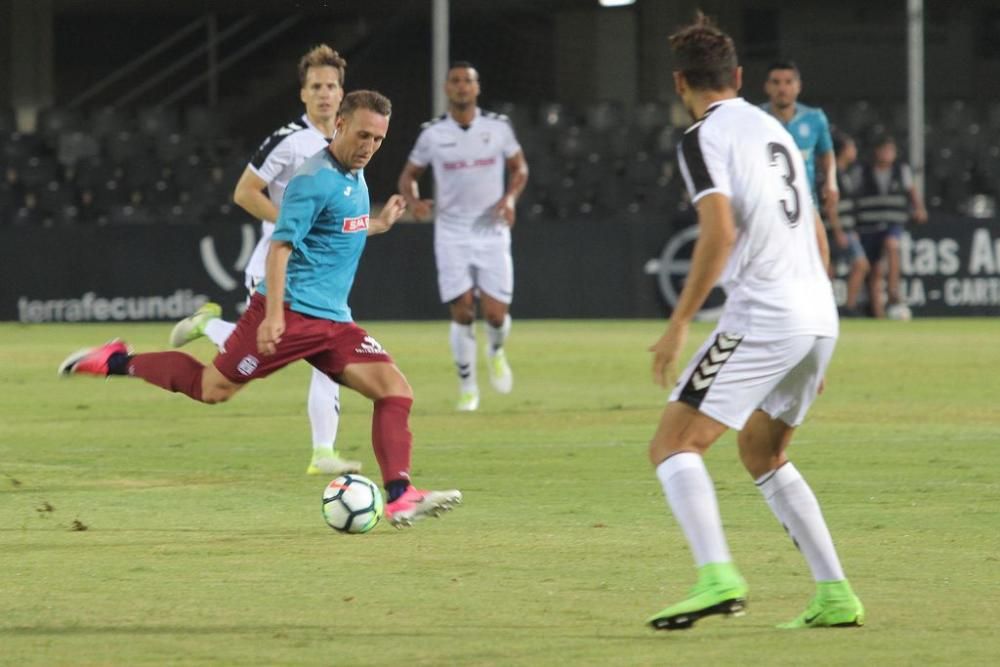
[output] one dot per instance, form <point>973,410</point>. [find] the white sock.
<point>218,331</point>
<point>496,336</point>
<point>793,502</point>
<point>324,412</point>
<point>691,496</point>
<point>463,349</point>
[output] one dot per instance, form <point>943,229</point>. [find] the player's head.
<point>321,76</point>
<point>462,85</point>
<point>704,60</point>
<point>885,150</point>
<point>783,84</point>
<point>362,123</point>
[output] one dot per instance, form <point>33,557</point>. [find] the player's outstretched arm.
<point>410,189</point>
<point>391,212</point>
<point>250,196</point>
<point>716,236</point>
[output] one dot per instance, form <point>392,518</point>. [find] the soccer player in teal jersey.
<point>807,125</point>
<point>301,312</point>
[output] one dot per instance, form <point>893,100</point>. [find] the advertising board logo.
<point>671,269</point>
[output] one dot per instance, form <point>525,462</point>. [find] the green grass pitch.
<point>204,542</point>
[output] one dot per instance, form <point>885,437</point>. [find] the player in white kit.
<point>259,192</point>
<point>763,366</point>
<point>469,150</point>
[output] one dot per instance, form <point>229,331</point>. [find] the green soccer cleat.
<point>468,401</point>
<point>332,465</point>
<point>193,326</point>
<point>501,377</point>
<point>834,606</point>
<point>720,590</point>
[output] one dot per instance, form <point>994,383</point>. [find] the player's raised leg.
<point>762,444</point>
<point>462,336</point>
<point>173,371</point>
<point>676,449</point>
<point>385,385</point>
<point>324,418</point>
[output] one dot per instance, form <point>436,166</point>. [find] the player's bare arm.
<point>270,330</point>
<point>716,236</point>
<point>390,213</point>
<point>251,195</point>
<point>828,164</point>
<point>517,170</point>
<point>410,188</point>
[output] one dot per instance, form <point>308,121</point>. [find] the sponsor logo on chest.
<point>358,224</point>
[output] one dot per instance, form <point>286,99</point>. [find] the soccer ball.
<point>352,504</point>
<point>899,311</point>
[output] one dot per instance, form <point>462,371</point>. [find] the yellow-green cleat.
<point>332,465</point>
<point>501,377</point>
<point>193,326</point>
<point>468,401</point>
<point>834,606</point>
<point>720,590</point>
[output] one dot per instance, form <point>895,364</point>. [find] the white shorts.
<point>486,266</point>
<point>733,375</point>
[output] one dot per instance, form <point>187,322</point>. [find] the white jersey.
<point>275,162</point>
<point>774,280</point>
<point>469,166</point>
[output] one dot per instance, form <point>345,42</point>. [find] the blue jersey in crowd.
<point>324,216</point>
<point>811,131</point>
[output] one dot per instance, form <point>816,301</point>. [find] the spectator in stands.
<point>886,196</point>
<point>845,245</point>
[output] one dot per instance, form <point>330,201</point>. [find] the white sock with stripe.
<point>796,507</point>
<point>463,350</point>
<point>691,497</point>
<point>496,336</point>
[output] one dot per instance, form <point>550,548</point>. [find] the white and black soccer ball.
<point>352,504</point>
<point>899,311</point>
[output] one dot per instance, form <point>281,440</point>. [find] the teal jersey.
<point>324,216</point>
<point>811,131</point>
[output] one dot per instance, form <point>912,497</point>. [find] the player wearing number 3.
<point>763,366</point>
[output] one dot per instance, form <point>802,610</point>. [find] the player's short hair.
<point>783,65</point>
<point>365,99</point>
<point>321,56</point>
<point>463,64</point>
<point>705,55</point>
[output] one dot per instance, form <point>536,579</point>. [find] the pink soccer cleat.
<point>92,360</point>
<point>416,504</point>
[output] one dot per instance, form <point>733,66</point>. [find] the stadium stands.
<point>177,166</point>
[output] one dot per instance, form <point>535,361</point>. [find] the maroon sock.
<point>391,437</point>
<point>174,371</point>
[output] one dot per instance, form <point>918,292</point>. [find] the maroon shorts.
<point>327,345</point>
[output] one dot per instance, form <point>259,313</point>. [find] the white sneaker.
<point>468,401</point>
<point>193,326</point>
<point>332,465</point>
<point>501,376</point>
